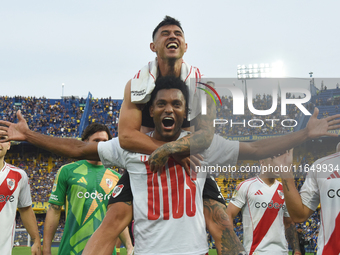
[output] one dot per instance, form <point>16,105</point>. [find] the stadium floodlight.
<point>263,70</point>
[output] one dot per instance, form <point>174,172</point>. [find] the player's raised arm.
<point>130,122</point>
<point>273,146</point>
<point>297,210</point>
<point>66,147</point>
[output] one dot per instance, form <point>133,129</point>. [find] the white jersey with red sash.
<point>322,185</point>
<point>263,209</point>
<point>14,193</point>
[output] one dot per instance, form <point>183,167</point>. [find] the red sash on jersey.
<point>266,221</point>
<point>333,244</point>
<point>7,190</point>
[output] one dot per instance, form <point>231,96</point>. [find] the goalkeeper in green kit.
<point>85,188</point>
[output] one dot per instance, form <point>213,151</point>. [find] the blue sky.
<point>98,46</point>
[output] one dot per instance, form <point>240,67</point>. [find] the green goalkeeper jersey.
<point>85,189</point>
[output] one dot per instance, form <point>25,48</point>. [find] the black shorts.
<point>122,191</point>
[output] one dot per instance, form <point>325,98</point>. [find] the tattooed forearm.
<point>55,207</point>
<point>292,237</point>
<point>221,228</point>
<point>285,184</point>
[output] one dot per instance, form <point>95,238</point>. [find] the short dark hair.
<point>170,82</point>
<point>94,128</point>
<point>166,21</point>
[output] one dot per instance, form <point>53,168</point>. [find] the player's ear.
<point>186,47</point>
<point>152,47</point>
<point>151,111</point>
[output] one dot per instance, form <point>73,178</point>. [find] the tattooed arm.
<point>117,218</point>
<point>221,228</point>
<point>50,227</point>
<point>291,235</point>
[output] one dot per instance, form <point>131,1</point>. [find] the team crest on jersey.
<point>117,190</point>
<point>10,183</point>
<point>235,193</point>
<point>281,194</point>
<point>109,183</point>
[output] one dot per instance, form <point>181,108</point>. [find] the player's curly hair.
<point>170,82</point>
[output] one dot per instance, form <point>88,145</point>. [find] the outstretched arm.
<point>30,222</point>
<point>220,226</point>
<point>67,147</point>
<point>273,146</point>
<point>291,235</point>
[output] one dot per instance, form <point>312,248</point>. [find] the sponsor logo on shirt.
<point>334,175</point>
<point>8,198</point>
<point>54,197</point>
<point>10,183</point>
<point>138,92</point>
<point>259,192</point>
<point>82,180</point>
<point>332,193</point>
<point>93,195</point>
<point>269,205</point>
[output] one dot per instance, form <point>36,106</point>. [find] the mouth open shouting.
<point>168,123</point>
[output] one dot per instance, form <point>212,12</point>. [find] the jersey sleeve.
<point>239,197</point>
<point>59,189</point>
<point>25,192</point>
<point>309,192</point>
<point>222,152</point>
<point>285,211</point>
<point>110,153</point>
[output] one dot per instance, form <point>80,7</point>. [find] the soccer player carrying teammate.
<point>321,186</point>
<point>85,186</point>
<point>265,218</point>
<point>15,193</point>
<point>169,45</point>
